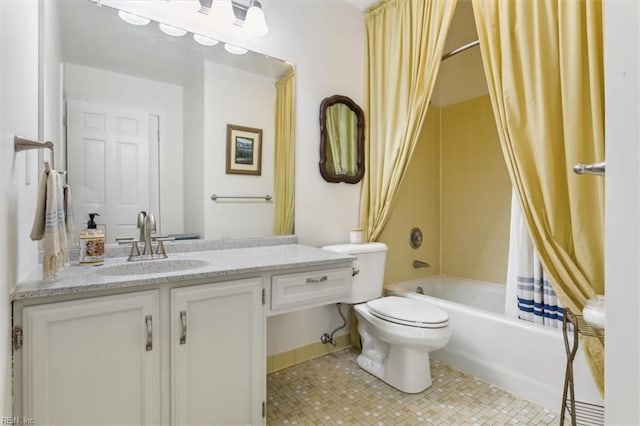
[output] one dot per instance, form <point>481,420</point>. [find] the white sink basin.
<point>143,267</point>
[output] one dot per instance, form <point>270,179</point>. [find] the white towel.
<point>49,224</point>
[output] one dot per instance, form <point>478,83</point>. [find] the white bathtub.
<point>523,358</point>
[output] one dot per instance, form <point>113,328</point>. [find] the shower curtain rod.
<point>460,49</point>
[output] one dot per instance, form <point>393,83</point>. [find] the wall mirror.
<point>341,140</point>
<point>167,101</point>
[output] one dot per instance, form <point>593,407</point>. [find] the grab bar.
<point>590,169</point>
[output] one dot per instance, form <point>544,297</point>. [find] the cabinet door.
<point>218,353</point>
<point>93,361</point>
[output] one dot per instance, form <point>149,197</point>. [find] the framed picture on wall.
<point>244,150</point>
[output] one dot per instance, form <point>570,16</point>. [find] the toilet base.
<point>404,368</point>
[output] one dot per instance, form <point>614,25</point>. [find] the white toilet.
<point>397,333</point>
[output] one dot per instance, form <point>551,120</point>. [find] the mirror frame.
<point>326,103</point>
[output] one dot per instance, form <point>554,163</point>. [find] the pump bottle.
<point>92,243</point>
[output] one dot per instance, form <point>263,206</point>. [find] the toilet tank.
<point>370,261</point>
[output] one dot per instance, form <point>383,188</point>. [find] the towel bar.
<point>20,143</point>
<point>215,197</point>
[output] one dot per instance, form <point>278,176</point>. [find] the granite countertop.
<point>208,264</point>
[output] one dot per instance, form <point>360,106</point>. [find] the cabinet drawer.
<point>312,288</point>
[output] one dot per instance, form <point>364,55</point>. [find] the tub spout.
<point>420,264</point>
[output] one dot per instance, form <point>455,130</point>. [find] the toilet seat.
<point>405,311</point>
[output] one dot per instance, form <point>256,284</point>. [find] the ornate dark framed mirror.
<point>341,140</point>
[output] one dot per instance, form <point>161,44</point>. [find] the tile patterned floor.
<point>334,390</point>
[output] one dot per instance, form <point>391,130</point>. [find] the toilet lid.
<point>402,310</point>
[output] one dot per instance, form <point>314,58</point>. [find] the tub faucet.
<point>420,264</point>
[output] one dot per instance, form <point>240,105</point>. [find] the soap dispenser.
<point>92,243</point>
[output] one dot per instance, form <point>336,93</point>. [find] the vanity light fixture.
<point>171,30</point>
<point>132,19</point>
<point>222,12</point>
<point>235,50</point>
<point>254,22</point>
<point>204,40</point>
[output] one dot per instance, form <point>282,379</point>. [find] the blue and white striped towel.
<point>49,224</point>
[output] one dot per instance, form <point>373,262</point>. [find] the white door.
<point>108,162</point>
<point>218,354</point>
<point>622,208</point>
<point>93,361</point>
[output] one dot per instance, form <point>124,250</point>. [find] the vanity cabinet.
<point>180,347</point>
<point>92,361</point>
<point>97,361</point>
<point>218,354</point>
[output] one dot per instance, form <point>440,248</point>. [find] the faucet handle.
<point>160,248</point>
<point>135,251</point>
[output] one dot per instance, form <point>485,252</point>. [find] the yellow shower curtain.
<point>284,171</point>
<point>544,65</point>
<point>403,46</point>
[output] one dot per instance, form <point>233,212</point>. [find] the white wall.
<point>243,99</point>
<point>18,114</point>
<point>155,97</point>
<point>622,206</point>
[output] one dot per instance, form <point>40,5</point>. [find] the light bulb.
<point>204,40</point>
<point>172,31</point>
<point>222,12</point>
<point>236,50</point>
<point>255,23</point>
<point>132,19</point>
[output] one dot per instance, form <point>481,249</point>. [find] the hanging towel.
<point>49,224</point>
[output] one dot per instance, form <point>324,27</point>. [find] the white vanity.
<point>129,344</point>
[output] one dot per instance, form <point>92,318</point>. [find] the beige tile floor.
<point>334,390</point>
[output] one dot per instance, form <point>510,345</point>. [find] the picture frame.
<point>244,150</point>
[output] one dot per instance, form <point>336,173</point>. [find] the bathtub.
<point>525,359</point>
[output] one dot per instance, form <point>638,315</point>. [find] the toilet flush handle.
<point>355,269</point>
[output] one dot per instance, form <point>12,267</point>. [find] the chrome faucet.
<point>148,229</point>
<point>141,219</point>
